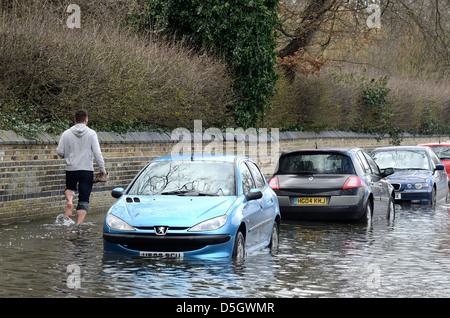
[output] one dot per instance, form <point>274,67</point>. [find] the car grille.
<point>396,186</point>
<point>166,243</point>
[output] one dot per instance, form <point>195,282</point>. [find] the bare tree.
<point>308,27</point>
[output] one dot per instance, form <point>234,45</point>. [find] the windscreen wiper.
<point>188,193</point>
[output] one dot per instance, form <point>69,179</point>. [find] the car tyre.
<point>367,215</point>
<point>391,209</point>
<point>274,238</point>
<point>239,246</point>
<point>433,198</point>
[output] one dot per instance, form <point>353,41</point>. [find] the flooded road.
<point>406,257</point>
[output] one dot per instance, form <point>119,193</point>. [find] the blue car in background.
<point>419,174</point>
<point>195,205</point>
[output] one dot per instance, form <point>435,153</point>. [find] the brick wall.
<point>32,177</point>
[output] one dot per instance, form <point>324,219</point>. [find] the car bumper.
<point>413,195</point>
<point>209,245</point>
<point>337,207</point>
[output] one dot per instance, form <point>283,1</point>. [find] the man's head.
<point>81,116</point>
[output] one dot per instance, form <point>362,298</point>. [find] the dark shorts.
<point>80,181</point>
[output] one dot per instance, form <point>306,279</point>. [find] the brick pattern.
<point>32,176</point>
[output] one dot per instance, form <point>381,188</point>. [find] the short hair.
<point>81,115</point>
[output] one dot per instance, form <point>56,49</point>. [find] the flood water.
<point>406,257</point>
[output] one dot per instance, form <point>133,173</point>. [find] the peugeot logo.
<point>161,230</point>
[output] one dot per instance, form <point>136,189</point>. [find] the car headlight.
<point>210,225</point>
<point>418,185</point>
<point>118,224</point>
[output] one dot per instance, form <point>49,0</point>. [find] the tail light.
<point>353,182</point>
<point>273,183</point>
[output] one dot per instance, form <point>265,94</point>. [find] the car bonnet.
<point>409,176</point>
<point>170,210</point>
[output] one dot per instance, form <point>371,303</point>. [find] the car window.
<point>364,163</point>
<point>168,176</point>
<point>402,159</point>
<point>443,152</point>
<point>372,164</point>
<point>435,158</point>
<point>259,178</point>
<point>319,162</point>
<point>247,179</point>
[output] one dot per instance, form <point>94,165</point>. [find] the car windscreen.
<point>402,159</point>
<point>186,178</point>
<point>443,152</point>
<point>315,162</point>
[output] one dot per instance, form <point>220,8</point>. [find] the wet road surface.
<point>406,257</point>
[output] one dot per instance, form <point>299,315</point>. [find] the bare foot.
<point>69,209</point>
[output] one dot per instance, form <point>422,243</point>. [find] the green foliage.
<point>429,124</point>
<point>374,92</point>
<point>240,31</point>
<point>21,117</point>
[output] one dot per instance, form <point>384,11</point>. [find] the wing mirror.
<point>254,194</point>
<point>387,172</point>
<point>117,192</point>
<point>439,167</point>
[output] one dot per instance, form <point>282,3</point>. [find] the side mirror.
<point>254,194</point>
<point>117,192</point>
<point>439,167</point>
<point>387,172</point>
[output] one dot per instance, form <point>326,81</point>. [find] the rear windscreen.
<point>315,162</point>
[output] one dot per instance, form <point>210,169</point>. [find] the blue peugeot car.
<point>194,206</point>
<point>419,174</point>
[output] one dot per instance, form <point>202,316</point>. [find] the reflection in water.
<point>406,257</point>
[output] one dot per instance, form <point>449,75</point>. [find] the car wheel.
<point>274,238</point>
<point>433,198</point>
<point>391,209</point>
<point>367,215</point>
<point>239,246</point>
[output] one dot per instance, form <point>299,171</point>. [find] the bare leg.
<point>80,216</point>
<point>69,197</point>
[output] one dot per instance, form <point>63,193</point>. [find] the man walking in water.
<point>78,145</point>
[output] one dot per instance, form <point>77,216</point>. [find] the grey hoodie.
<point>78,145</point>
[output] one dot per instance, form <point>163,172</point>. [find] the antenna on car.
<point>316,145</point>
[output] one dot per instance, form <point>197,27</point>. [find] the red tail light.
<point>273,183</point>
<point>353,182</point>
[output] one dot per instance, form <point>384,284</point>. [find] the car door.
<point>382,183</point>
<point>372,180</point>
<point>440,177</point>
<point>267,202</point>
<point>252,209</point>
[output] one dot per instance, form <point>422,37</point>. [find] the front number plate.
<point>310,201</point>
<point>398,196</point>
<point>160,254</point>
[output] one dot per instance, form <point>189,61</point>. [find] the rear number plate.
<point>310,201</point>
<point>159,254</point>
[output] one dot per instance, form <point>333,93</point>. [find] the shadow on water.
<point>405,257</point>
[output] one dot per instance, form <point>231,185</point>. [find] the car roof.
<point>401,148</point>
<point>201,156</point>
<point>325,149</point>
<point>445,144</point>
